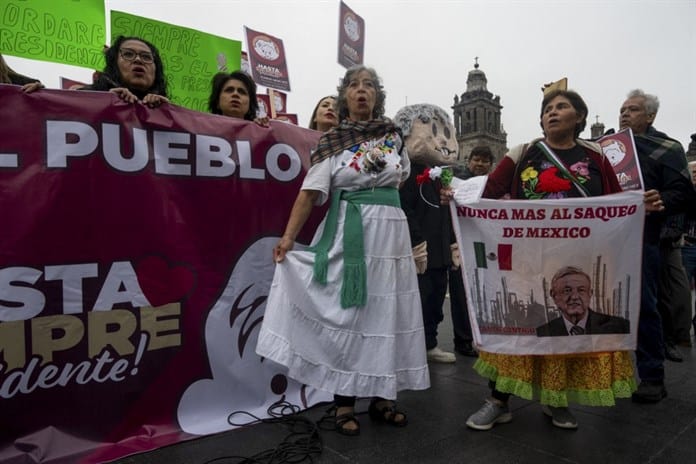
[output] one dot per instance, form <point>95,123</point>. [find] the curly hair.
<point>218,82</point>
<point>342,104</point>
<point>111,77</point>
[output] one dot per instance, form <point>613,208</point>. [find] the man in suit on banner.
<point>571,290</point>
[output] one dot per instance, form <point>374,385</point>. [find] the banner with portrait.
<point>135,262</point>
<point>537,271</point>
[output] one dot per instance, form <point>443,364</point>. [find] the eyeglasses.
<point>129,54</point>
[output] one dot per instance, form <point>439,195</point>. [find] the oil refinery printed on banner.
<point>535,269</point>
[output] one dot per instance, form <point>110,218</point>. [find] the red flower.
<point>423,178</point>
<point>550,182</point>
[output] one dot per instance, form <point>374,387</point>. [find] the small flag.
<point>504,256</point>
<point>480,251</point>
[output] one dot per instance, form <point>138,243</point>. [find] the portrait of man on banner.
<point>535,271</point>
<point>571,290</point>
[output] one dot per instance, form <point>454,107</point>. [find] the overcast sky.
<point>424,49</point>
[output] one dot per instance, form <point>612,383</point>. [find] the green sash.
<point>354,285</point>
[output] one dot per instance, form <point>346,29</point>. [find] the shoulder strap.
<point>551,156</point>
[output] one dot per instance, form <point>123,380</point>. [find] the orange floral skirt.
<point>593,379</point>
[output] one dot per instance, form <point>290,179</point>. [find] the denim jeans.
<point>650,355</point>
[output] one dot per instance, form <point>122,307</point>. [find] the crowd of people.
<point>346,314</point>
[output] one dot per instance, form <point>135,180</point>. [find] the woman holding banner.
<point>344,316</point>
<point>10,76</point>
<point>324,115</point>
<point>560,165</point>
<point>133,71</point>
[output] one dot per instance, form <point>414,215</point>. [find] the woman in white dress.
<point>344,316</point>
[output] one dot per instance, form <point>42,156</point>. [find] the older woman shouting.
<point>344,316</point>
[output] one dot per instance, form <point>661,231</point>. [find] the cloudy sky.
<point>424,49</point>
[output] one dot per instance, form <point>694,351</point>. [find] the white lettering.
<point>58,148</point>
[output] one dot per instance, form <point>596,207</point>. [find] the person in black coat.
<point>571,290</point>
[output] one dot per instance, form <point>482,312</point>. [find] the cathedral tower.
<point>477,117</point>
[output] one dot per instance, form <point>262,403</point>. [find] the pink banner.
<point>135,261</point>
<point>267,58</point>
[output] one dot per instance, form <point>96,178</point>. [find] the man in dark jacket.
<point>668,190</point>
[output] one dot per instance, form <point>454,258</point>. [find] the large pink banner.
<point>135,261</point>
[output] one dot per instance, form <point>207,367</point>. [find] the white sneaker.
<point>438,356</point>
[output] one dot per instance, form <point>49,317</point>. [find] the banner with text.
<point>190,57</point>
<point>620,150</point>
<point>267,59</point>
<point>69,32</point>
<point>537,271</point>
<point>135,262</point>
<point>351,37</point>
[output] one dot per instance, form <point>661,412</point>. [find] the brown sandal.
<point>386,414</point>
<point>344,419</point>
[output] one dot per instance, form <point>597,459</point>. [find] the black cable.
<point>299,446</point>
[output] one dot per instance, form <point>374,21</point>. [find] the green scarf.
<point>354,285</point>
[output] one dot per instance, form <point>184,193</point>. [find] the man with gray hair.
<point>668,191</point>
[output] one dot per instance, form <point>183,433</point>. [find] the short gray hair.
<point>342,104</point>
<point>424,111</point>
<point>652,103</point>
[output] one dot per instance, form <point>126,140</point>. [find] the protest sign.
<point>351,37</point>
<point>620,150</point>
<point>191,58</point>
<point>267,58</point>
<point>48,31</point>
<point>135,262</point>
<point>512,249</point>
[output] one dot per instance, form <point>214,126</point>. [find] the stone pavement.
<point>663,433</point>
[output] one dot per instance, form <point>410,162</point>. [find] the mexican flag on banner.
<point>504,256</point>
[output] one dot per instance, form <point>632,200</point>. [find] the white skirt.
<point>375,350</point>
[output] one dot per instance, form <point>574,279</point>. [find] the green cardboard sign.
<point>190,57</point>
<point>62,31</point>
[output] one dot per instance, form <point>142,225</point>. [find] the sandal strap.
<point>343,419</point>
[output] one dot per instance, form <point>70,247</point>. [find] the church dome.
<point>476,80</point>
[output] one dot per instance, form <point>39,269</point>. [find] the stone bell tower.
<point>477,117</point>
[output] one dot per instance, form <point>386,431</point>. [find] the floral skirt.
<point>593,379</point>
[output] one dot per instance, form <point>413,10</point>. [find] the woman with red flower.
<point>560,165</point>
